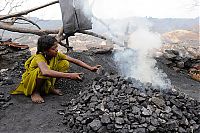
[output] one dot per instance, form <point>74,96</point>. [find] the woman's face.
<point>53,51</point>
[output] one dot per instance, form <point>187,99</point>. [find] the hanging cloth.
<point>73,16</point>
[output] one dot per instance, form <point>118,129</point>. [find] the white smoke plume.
<point>138,61</point>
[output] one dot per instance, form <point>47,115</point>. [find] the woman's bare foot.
<point>36,98</point>
<point>56,92</point>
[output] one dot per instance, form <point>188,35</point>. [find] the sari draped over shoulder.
<point>28,82</point>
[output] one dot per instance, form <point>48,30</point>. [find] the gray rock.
<point>140,130</point>
<point>154,122</point>
<point>95,125</point>
<point>159,102</point>
<point>118,126</point>
<point>129,90</point>
<point>171,125</point>
<point>146,112</point>
<point>181,130</point>
<point>135,110</point>
<point>105,119</point>
<point>151,128</point>
<point>119,120</point>
<point>177,111</point>
<point>140,99</point>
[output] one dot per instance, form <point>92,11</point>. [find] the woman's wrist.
<point>90,68</point>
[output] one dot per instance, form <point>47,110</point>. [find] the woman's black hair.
<point>44,43</point>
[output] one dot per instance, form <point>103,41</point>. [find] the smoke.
<point>136,60</point>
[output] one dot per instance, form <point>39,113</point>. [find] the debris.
<point>15,45</point>
<point>8,42</point>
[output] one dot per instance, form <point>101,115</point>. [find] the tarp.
<point>73,16</point>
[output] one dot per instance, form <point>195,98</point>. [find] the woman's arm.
<point>51,73</point>
<point>83,64</point>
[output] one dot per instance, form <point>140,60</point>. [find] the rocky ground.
<point>102,102</point>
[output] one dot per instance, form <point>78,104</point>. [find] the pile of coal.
<point>12,63</point>
<point>11,68</point>
<point>112,104</point>
<point>173,59</point>
<point>187,65</point>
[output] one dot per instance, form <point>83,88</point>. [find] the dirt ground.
<point>24,116</point>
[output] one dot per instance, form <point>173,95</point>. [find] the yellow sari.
<point>28,82</point>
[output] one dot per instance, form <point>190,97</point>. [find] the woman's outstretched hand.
<point>76,76</point>
<point>95,68</point>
